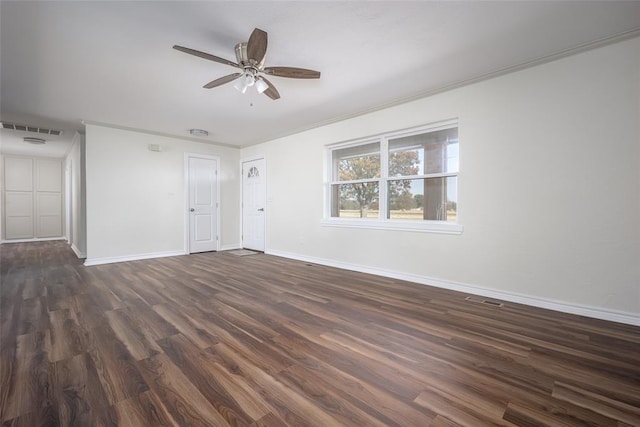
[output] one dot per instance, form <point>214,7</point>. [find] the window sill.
<point>398,225</point>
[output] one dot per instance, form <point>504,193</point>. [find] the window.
<point>356,181</point>
<point>401,180</point>
<point>253,172</point>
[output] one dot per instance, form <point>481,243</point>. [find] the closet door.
<point>32,198</point>
<point>48,198</point>
<point>18,197</point>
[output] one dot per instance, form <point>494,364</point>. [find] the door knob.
<point>191,209</point>
<point>261,210</point>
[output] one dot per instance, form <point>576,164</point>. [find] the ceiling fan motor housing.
<point>244,61</point>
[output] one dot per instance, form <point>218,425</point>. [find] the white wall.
<point>549,188</point>
<point>135,197</point>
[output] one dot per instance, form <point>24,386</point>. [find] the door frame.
<point>266,201</point>
<point>187,240</point>
<point>68,197</point>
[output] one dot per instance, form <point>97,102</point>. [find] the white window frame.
<point>383,223</point>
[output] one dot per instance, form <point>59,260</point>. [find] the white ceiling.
<point>112,62</point>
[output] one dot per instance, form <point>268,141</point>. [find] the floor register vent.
<point>481,300</point>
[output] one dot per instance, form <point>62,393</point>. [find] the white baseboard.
<point>97,261</point>
<point>229,247</point>
<point>588,311</point>
<point>37,239</point>
<point>78,252</point>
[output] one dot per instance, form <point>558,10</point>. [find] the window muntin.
<point>401,178</point>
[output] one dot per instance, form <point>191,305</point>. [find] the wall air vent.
<point>29,128</point>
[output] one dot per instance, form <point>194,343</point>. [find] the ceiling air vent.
<point>29,128</point>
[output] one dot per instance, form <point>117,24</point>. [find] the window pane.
<point>433,199</point>
<point>360,162</point>
<point>433,152</point>
<point>355,200</point>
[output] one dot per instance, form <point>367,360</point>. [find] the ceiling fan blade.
<point>257,45</point>
<point>292,72</point>
<point>271,91</point>
<point>206,56</point>
<point>222,80</point>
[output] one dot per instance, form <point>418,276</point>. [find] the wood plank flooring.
<point>214,339</point>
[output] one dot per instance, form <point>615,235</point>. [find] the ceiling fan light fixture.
<point>248,79</point>
<point>245,81</point>
<point>261,86</point>
<point>240,86</point>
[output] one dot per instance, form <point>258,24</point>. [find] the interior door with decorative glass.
<point>254,186</point>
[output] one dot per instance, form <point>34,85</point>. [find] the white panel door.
<point>203,201</point>
<point>18,215</point>
<point>18,174</point>
<point>18,198</point>
<point>49,214</point>
<point>33,196</point>
<point>49,175</point>
<point>254,189</point>
<point>48,198</point>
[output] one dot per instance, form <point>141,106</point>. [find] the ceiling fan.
<point>250,57</point>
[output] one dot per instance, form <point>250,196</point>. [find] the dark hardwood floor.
<point>215,339</point>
